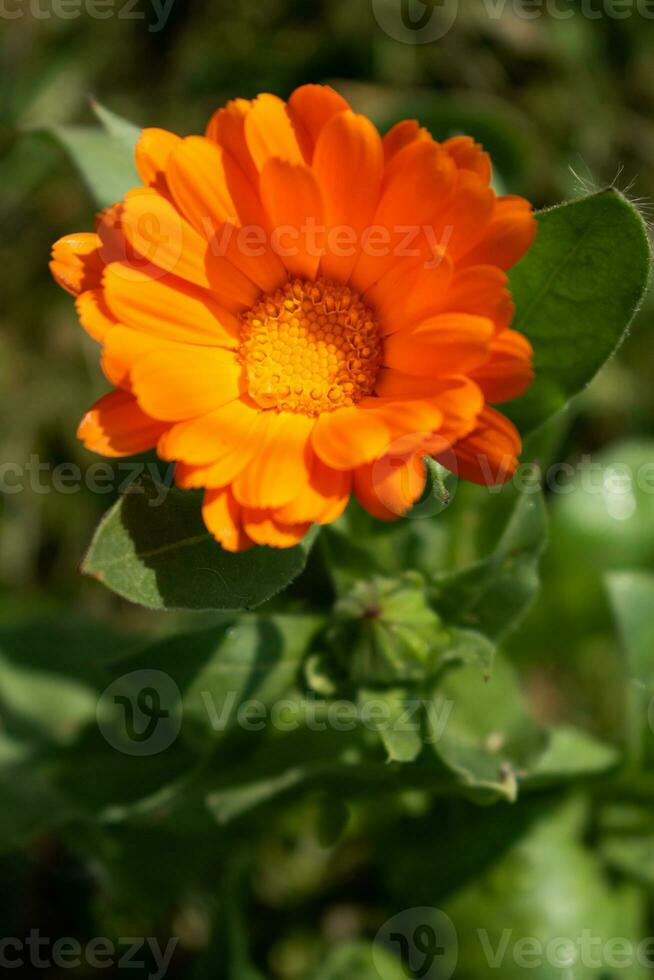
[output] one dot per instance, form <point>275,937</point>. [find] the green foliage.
<point>575,292</point>
<point>104,156</point>
<point>153,548</point>
<point>330,770</point>
<point>492,594</point>
<point>533,908</point>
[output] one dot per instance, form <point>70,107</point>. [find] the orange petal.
<point>164,242</point>
<point>350,437</point>
<point>151,154</point>
<point>508,372</point>
<point>390,486</point>
<point>400,135</point>
<point>281,466</point>
<point>322,499</point>
<point>482,290</point>
<point>122,348</point>
<point>417,182</point>
<point>395,385</point>
<point>180,382</point>
<point>451,343</point>
<point>227,128</point>
<point>467,215</point>
<point>94,314</point>
<point>203,440</point>
<point>489,455</point>
<point>272,131</point>
<point>313,106</point>
<point>469,155</point>
<point>293,201</point>
<point>162,239</point>
<point>220,473</point>
<point>410,292</point>
<point>116,426</point>
<point>168,307</point>
<point>348,164</point>
<point>206,183</point>
<point>222,516</point>
<point>115,247</point>
<point>76,262</point>
<point>458,398</point>
<point>217,199</point>
<point>507,237</point>
<point>264,529</point>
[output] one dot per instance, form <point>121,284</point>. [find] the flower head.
<point>295,310</point>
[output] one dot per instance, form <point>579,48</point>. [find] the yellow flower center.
<point>310,347</point>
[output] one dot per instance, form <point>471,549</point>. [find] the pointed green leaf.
<point>153,548</point>
<point>104,157</point>
<point>576,292</point>
<point>121,129</point>
<point>491,595</point>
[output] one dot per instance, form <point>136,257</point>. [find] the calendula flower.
<point>296,310</point>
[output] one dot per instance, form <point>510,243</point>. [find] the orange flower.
<point>296,310</point>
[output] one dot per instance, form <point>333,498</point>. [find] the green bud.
<point>385,631</point>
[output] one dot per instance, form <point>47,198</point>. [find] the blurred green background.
<point>564,106</point>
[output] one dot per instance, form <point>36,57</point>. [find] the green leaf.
<point>632,599</point>
<point>632,856</point>
<point>51,674</point>
<point>31,801</point>
<point>104,157</point>
<point>253,660</point>
<point>576,292</point>
<point>361,961</point>
<point>153,548</point>
<point>481,731</point>
<point>529,913</point>
<point>605,517</point>
<point>116,126</point>
<point>394,717</point>
<point>571,754</point>
<point>493,594</point>
<point>359,546</point>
